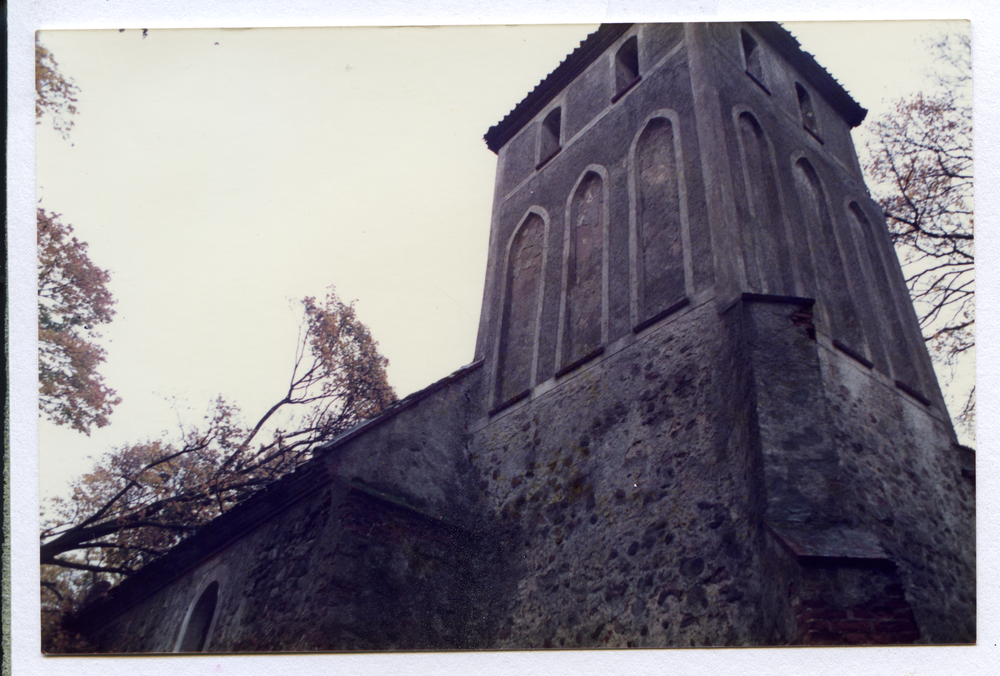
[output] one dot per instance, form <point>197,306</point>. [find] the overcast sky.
<point>221,182</point>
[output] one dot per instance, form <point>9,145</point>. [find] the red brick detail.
<point>851,625</point>
<point>857,638</point>
<point>904,637</point>
<point>865,614</point>
<point>823,615</point>
<point>822,638</point>
<point>886,603</point>
<point>883,621</point>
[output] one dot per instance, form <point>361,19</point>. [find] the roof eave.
<point>597,42</point>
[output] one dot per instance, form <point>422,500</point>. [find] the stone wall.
<point>345,569</point>
<point>911,486</point>
<point>336,556</point>
<point>631,499</point>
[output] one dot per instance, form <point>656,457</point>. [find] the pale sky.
<point>219,183</point>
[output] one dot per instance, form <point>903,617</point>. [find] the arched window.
<point>659,231</point>
<point>524,281</point>
<point>626,66</point>
<point>196,632</point>
<point>549,143</point>
<point>766,257</point>
<point>806,109</point>
<point>751,59</point>
<point>584,270</point>
<point>886,302</point>
<point>830,275</point>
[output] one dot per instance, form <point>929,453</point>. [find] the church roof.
<point>597,43</point>
<point>258,508</point>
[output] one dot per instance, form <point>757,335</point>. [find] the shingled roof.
<point>819,77</point>
<point>597,42</point>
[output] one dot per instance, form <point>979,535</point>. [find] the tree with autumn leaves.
<point>143,498</point>
<point>920,171</point>
<point>73,297</point>
<point>73,301</point>
<point>55,95</point>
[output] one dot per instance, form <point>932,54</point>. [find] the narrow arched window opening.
<point>751,59</point>
<point>626,67</point>
<point>807,110</point>
<point>549,143</point>
<point>198,624</point>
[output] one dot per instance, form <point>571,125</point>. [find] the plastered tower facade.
<point>700,411</point>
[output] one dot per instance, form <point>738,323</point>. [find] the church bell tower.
<point>689,281</point>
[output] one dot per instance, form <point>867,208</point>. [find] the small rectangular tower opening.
<point>549,143</point>
<point>626,67</point>
<point>751,58</point>
<point>807,111</point>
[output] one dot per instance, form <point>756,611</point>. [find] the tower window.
<point>752,60</point>
<point>807,111</point>
<point>626,67</point>
<point>549,145</point>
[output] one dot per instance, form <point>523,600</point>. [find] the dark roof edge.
<point>251,513</point>
<point>597,42</point>
<point>213,537</point>
<point>539,97</point>
<point>819,77</point>
<point>399,407</point>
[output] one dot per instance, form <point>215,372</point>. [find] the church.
<point>700,411</point>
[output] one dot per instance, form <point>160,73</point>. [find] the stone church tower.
<point>700,413</point>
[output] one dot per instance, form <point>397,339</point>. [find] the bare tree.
<point>920,168</point>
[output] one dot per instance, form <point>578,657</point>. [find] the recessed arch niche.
<point>834,287</point>
<point>659,212</point>
<point>583,324</point>
<point>764,240</point>
<point>199,621</point>
<point>523,282</point>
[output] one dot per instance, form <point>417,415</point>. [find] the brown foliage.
<point>73,299</point>
<point>54,94</point>
<point>144,498</point>
<point>60,595</point>
<point>921,170</point>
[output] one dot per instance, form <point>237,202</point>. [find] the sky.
<point>221,183</point>
<point>222,175</point>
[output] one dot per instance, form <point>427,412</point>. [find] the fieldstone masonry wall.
<point>701,412</point>
<point>625,497</point>
<point>345,569</point>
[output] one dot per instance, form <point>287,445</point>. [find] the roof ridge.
<point>596,43</point>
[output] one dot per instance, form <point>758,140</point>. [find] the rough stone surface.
<point>623,492</point>
<point>342,570</point>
